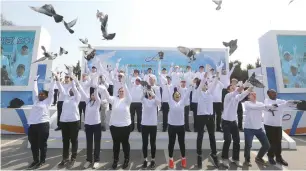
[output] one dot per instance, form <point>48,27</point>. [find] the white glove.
<point>235,64</point>
<point>36,78</point>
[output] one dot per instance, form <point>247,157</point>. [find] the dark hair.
<point>175,90</point>
<point>137,71</point>
<point>93,100</point>
<point>198,81</point>
<point>25,46</point>
<point>201,66</point>
<point>270,90</point>
<point>149,68</point>
<point>21,66</point>
<point>164,69</point>
<point>45,92</point>
<point>229,87</point>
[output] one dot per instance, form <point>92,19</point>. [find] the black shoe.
<point>103,129</point>
<point>152,164</point>
<point>199,162</point>
<point>125,163</point>
<point>145,164</point>
<point>71,163</point>
<point>247,163</point>
<point>164,129</point>
<point>241,129</point>
<point>261,161</point>
<point>33,165</point>
<point>272,161</point>
<point>57,129</point>
<point>214,160</point>
<point>282,162</point>
<point>41,164</point>
<point>219,130</point>
<point>63,163</point>
<point>115,164</point>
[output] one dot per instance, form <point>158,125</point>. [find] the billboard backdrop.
<point>292,51</point>
<point>16,57</point>
<point>144,59</point>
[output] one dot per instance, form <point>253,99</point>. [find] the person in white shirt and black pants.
<point>136,105</point>
<point>38,121</point>
<point>150,102</point>
<point>120,122</point>
<point>182,90</point>
<point>206,117</point>
<point>92,125</point>
<point>273,126</point>
<point>70,120</point>
<point>82,105</point>
<point>253,127</point>
<point>194,101</point>
<point>176,124</point>
<point>165,99</point>
<point>229,124</point>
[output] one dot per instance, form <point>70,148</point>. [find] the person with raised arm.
<point>165,98</point>
<point>85,83</point>
<point>136,105</point>
<point>229,123</point>
<point>150,102</point>
<point>189,76</point>
<point>200,73</point>
<point>175,74</point>
<point>39,126</point>
<point>70,120</point>
<point>117,78</point>
<point>273,125</point>
<point>194,101</point>
<point>253,127</point>
<point>148,75</point>
<point>182,90</point>
<point>205,117</point>
<point>120,122</point>
<point>134,77</point>
<point>66,86</point>
<point>176,124</point>
<point>225,78</point>
<point>92,124</point>
<point>163,73</point>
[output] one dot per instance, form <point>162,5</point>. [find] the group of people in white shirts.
<point>202,91</point>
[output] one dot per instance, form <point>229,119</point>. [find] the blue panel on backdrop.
<point>41,71</point>
<point>272,85</point>
<point>7,96</point>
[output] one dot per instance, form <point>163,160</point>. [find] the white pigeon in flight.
<point>218,2</point>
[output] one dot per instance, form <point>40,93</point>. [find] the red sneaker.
<point>171,164</point>
<point>184,162</point>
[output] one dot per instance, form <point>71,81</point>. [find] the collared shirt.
<point>231,101</point>
<point>176,110</point>
<point>40,109</point>
<point>217,93</point>
<point>199,75</point>
<point>70,111</point>
<point>176,78</point>
<point>253,114</point>
<point>182,91</point>
<point>147,77</point>
<point>277,118</point>
<point>149,111</point>
<point>205,103</point>
<point>136,93</point>
<point>189,76</point>
<point>66,87</point>
<point>86,87</point>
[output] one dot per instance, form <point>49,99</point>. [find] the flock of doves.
<point>89,52</point>
<point>49,10</point>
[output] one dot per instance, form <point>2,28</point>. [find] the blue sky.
<point>161,23</point>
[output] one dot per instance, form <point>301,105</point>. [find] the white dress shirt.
<point>183,91</point>
<point>149,111</point>
<point>195,95</point>
<point>176,110</point>
<point>147,77</point>
<point>225,79</point>
<point>277,119</point>
<point>66,87</point>
<point>86,87</point>
<point>70,111</point>
<point>133,80</point>
<point>120,116</point>
<point>231,101</point>
<point>199,75</point>
<point>205,98</point>
<point>217,93</point>
<point>253,114</point>
<point>40,109</point>
<point>136,93</point>
<point>176,78</point>
<point>92,111</point>
<point>189,76</point>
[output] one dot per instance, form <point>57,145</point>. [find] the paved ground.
<point>16,156</point>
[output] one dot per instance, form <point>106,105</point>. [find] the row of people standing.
<point>120,121</point>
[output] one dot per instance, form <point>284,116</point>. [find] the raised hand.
<point>235,64</point>
<point>280,47</point>
<point>36,78</point>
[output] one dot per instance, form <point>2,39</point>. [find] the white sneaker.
<point>95,165</point>
<point>237,163</point>
<point>225,163</point>
<point>87,164</point>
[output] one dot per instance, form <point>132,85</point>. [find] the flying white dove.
<point>47,56</point>
<point>62,51</point>
<point>290,2</point>
<point>218,2</point>
<point>232,46</point>
<point>69,25</point>
<point>48,10</point>
<point>84,41</point>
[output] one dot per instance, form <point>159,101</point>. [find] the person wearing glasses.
<point>120,122</point>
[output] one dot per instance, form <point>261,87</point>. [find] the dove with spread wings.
<point>190,53</point>
<point>255,82</point>
<point>103,57</point>
<point>232,45</point>
<point>48,10</point>
<point>69,25</point>
<point>218,2</point>
<point>47,55</point>
<point>104,20</point>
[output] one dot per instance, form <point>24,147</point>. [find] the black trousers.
<point>38,135</point>
<point>194,109</point>
<point>59,107</point>
<point>230,129</point>
<point>218,112</point>
<point>240,115</point>
<point>110,90</point>
<point>136,108</point>
<point>165,109</point>
<point>82,108</point>
<point>93,132</point>
<point>209,121</point>
<point>180,132</point>
<point>55,96</point>
<point>70,133</point>
<point>161,92</point>
<point>224,92</point>
<point>186,113</point>
<point>274,135</point>
<point>146,132</point>
<point>120,135</point>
